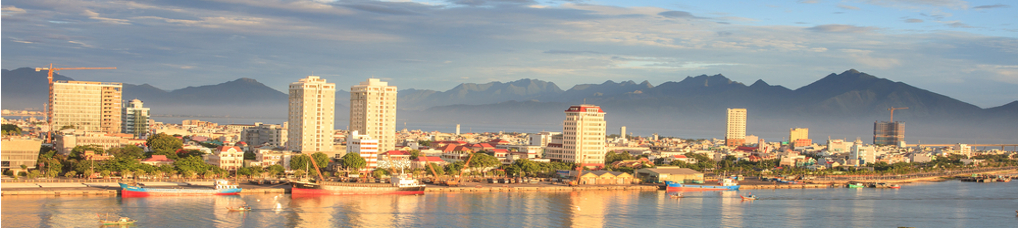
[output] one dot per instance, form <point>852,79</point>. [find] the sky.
<point>967,50</point>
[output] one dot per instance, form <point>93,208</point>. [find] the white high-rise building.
<point>86,106</point>
<point>583,137</point>
<point>312,115</point>
<point>135,119</point>
<point>735,134</point>
<point>373,112</point>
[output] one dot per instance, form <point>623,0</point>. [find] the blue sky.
<point>964,49</point>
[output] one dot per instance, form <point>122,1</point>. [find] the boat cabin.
<point>225,184</point>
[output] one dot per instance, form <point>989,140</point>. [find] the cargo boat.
<point>400,185</point>
<point>222,187</point>
<point>723,185</point>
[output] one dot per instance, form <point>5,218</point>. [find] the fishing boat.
<point>399,184</point>
<point>856,185</point>
<point>723,185</point>
<point>894,186</point>
<point>121,221</point>
<point>221,187</point>
<point>676,196</point>
<point>751,197</point>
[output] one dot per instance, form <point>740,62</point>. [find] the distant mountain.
<point>853,93</point>
<point>237,92</point>
<point>474,94</point>
<point>26,88</point>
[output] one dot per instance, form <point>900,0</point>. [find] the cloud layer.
<point>435,45</point>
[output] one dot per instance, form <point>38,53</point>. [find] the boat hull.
<point>672,186</point>
<point>132,191</point>
<point>340,188</point>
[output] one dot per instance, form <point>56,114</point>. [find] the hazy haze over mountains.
<point>839,105</point>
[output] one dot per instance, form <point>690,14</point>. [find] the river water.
<point>937,204</point>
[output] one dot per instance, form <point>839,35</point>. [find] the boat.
<point>894,186</point>
<point>121,221</point>
<point>399,184</point>
<point>676,196</point>
<point>751,197</point>
<point>723,185</point>
<point>221,187</point>
<point>856,185</point>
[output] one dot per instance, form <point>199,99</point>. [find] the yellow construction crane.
<point>892,112</point>
<point>49,113</point>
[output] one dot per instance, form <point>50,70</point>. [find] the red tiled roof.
<point>397,153</point>
<point>679,156</point>
<point>429,159</point>
<point>156,158</point>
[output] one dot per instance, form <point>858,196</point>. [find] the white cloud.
<point>95,16</point>
<point>1001,73</point>
<point>863,57</point>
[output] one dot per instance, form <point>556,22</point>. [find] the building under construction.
<point>888,133</point>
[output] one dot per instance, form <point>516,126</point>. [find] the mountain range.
<point>848,101</point>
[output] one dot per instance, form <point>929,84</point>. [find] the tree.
<point>299,173</point>
<point>34,174</point>
<point>163,143</point>
<point>483,160</point>
<point>354,161</point>
<point>70,174</point>
<point>379,173</point>
<point>300,162</point>
<point>78,152</point>
<point>424,143</point>
<point>193,164</point>
<point>275,169</point>
<point>11,129</point>
<point>321,159</point>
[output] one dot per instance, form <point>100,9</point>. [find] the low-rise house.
<point>602,177</point>
<point>226,157</point>
<point>682,158</point>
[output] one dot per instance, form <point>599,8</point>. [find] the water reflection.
<point>952,204</point>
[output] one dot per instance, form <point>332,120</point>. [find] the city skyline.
<point>953,47</point>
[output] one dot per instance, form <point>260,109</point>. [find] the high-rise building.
<point>87,106</point>
<point>888,133</point>
<point>373,112</point>
<point>735,135</point>
<point>583,137</point>
<point>136,119</point>
<point>312,113</point>
<point>798,137</point>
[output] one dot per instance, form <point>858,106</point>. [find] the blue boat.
<point>222,187</point>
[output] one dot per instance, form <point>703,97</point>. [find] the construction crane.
<point>892,112</point>
<point>454,183</point>
<point>49,112</point>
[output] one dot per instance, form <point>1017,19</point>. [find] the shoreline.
<point>111,188</point>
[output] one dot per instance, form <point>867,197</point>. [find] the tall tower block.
<point>373,112</point>
<point>312,115</point>
<point>735,134</point>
